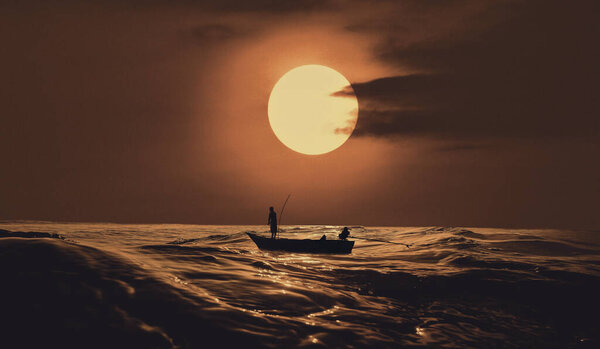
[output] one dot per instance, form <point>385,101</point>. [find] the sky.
<point>471,113</point>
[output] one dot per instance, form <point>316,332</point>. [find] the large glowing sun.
<point>305,113</point>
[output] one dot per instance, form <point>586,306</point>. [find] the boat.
<point>302,245</point>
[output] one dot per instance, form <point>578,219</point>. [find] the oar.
<point>389,242</point>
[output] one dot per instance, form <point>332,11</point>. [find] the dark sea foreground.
<point>186,286</point>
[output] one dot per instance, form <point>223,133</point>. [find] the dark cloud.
<point>463,147</point>
<point>275,6</point>
<point>531,74</point>
<point>207,33</point>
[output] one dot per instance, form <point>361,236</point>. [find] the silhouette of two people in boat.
<point>343,235</point>
<point>272,222</point>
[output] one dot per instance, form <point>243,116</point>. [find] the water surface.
<point>188,286</point>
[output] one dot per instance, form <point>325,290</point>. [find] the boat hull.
<point>302,246</point>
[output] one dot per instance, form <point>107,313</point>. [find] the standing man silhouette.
<point>272,222</point>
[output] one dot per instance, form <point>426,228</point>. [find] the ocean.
<point>197,286</point>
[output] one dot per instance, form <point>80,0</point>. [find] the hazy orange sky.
<point>471,113</point>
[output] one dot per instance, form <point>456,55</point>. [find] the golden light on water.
<point>304,113</point>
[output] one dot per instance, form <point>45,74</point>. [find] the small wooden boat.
<point>302,245</point>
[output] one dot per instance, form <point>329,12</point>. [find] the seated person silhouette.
<point>344,234</point>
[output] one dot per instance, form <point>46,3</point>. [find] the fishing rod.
<point>281,212</point>
<point>389,242</point>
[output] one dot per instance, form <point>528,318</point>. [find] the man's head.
<point>271,208</point>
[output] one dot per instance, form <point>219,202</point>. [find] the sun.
<point>306,114</point>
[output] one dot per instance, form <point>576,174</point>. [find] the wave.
<point>218,238</point>
<point>88,298</point>
<point>169,288</point>
<point>29,234</point>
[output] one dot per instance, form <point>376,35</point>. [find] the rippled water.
<point>190,286</point>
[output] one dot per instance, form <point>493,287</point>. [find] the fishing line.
<point>389,242</point>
